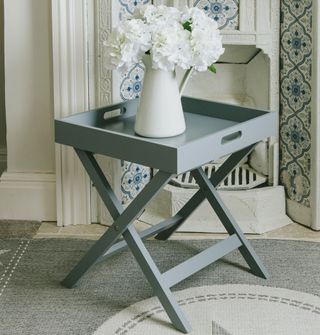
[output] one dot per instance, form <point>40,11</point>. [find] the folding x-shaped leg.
<point>123,219</point>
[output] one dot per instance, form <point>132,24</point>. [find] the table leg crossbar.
<point>109,243</point>
<point>201,260</point>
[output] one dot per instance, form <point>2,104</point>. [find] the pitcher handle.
<point>185,80</point>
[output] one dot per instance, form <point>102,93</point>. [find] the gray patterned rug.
<point>32,301</point>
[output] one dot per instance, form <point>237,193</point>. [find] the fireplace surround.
<point>247,75</point>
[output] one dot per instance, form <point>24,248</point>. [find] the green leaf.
<point>212,68</point>
<point>187,25</point>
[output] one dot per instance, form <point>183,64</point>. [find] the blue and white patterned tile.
<point>297,8</point>
<point>296,90</point>
<point>134,178</point>
<point>224,12</point>
<point>296,43</point>
<point>295,136</point>
<point>297,183</point>
<point>131,83</point>
<point>295,98</point>
<point>127,7</point>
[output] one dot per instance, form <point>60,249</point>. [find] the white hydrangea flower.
<point>197,18</point>
<point>127,43</point>
<point>160,15</point>
<point>171,47</point>
<point>173,38</point>
<point>205,39</point>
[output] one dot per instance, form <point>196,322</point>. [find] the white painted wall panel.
<point>27,188</point>
<point>28,72</point>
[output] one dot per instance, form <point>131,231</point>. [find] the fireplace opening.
<point>251,192</point>
<point>242,78</point>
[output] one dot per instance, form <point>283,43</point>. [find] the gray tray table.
<point>213,130</point>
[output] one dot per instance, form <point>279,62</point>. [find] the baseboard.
<point>28,196</point>
<point>3,159</point>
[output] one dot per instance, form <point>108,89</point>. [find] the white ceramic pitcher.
<point>160,111</point>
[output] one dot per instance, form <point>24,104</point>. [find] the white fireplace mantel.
<point>69,37</point>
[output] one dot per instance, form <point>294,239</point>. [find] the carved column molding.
<point>70,72</point>
<point>104,91</point>
<point>103,14</point>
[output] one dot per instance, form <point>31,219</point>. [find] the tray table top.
<point>213,130</point>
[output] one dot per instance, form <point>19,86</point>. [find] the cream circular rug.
<point>224,310</point>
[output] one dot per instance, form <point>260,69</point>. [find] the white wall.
<point>29,102</point>
<point>27,188</point>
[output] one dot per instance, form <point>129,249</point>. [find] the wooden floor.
<point>35,229</point>
<point>94,231</point>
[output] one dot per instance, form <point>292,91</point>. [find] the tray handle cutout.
<point>114,113</point>
<point>231,137</point>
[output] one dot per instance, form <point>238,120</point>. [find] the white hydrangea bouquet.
<point>164,38</point>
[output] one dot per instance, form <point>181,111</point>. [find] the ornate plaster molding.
<point>70,74</point>
<point>103,30</point>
